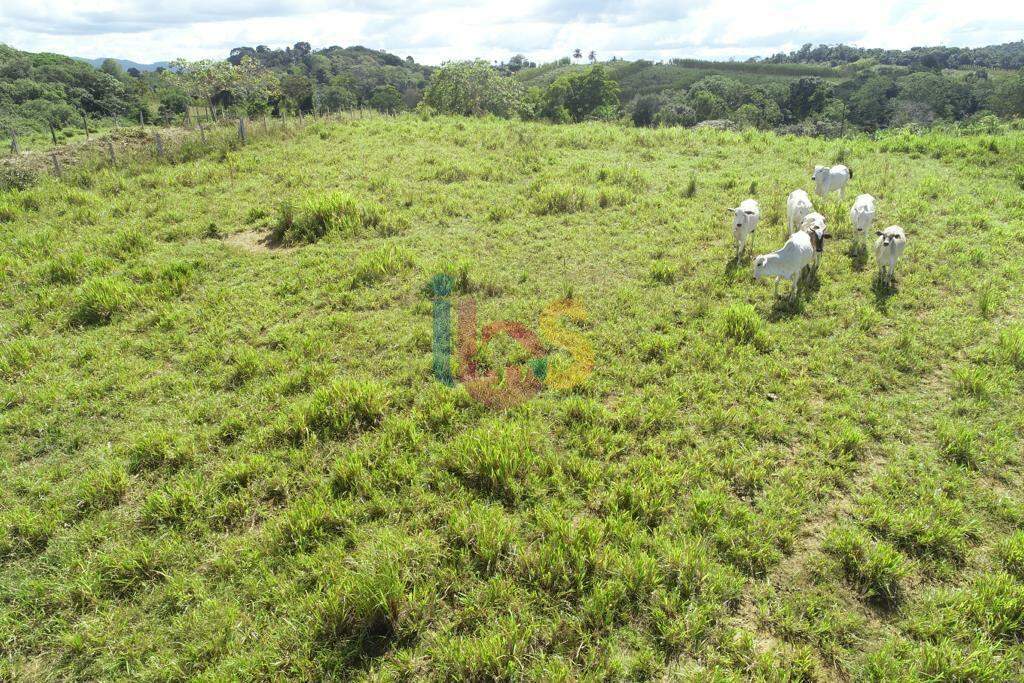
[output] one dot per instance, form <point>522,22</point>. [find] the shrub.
<point>16,177</point>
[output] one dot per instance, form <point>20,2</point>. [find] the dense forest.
<point>824,90</point>
<point>1005,56</point>
<point>38,91</point>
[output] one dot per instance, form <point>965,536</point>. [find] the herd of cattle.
<point>808,231</point>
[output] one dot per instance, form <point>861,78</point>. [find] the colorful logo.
<point>519,382</point>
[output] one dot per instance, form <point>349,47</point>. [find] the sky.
<point>543,30</point>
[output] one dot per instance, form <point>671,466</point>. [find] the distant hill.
<point>125,63</point>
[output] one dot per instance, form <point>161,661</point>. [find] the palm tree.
<point>577,53</point>
<point>592,56</point>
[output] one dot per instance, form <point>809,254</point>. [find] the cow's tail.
<point>851,172</point>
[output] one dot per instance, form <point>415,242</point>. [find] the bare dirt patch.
<point>257,241</point>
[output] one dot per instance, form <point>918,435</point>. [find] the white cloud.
<point>458,29</point>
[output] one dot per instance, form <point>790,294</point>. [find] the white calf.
<point>862,216</point>
<point>745,218</point>
<point>814,225</point>
<point>831,179</point>
<point>888,248</point>
<point>798,205</point>
<point>787,262</point>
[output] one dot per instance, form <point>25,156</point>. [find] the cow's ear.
<point>879,233</point>
<point>826,234</point>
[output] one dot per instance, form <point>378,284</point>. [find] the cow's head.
<point>739,216</point>
<point>819,172</point>
<point>759,265</point>
<point>887,238</point>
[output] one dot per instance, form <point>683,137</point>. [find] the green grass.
<point>232,462</point>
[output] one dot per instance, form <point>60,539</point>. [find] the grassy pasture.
<point>226,461</point>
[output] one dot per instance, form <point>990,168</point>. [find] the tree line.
<point>821,90</point>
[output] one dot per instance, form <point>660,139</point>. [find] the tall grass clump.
<point>1009,347</point>
<point>380,264</point>
<point>500,461</point>
<point>333,212</point>
<point>8,210</point>
<point>338,410</point>
<point>561,199</point>
<point>99,299</point>
<point>742,324</point>
<point>874,567</point>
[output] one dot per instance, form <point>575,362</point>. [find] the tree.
<point>474,89</point>
<point>945,97</point>
<point>645,109</point>
<point>239,53</point>
<point>386,98</point>
<point>869,103</point>
<point>577,53</point>
<point>338,98</point>
<point>204,79</point>
<point>112,68</point>
<point>173,102</point>
<point>1008,97</point>
<point>592,57</point>
<point>254,86</point>
<point>707,105</point>
<point>582,94</point>
<point>298,90</point>
<point>807,96</point>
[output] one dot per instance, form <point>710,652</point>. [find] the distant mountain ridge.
<point>125,63</point>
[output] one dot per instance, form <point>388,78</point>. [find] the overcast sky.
<point>440,30</point>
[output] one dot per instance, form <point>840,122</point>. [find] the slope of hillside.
<point>227,459</point>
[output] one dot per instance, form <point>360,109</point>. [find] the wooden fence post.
<point>264,123</point>
<point>110,151</point>
<point>241,129</point>
<point>159,145</point>
<point>85,123</point>
<point>53,135</point>
<point>56,164</point>
<point>142,120</point>
<point>15,147</point>
<point>202,131</point>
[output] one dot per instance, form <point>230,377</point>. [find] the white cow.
<point>831,179</point>
<point>745,218</point>
<point>798,205</point>
<point>814,225</point>
<point>862,216</point>
<point>888,248</point>
<point>787,262</point>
